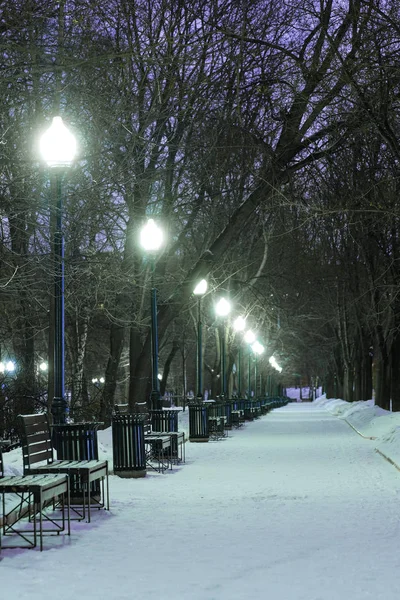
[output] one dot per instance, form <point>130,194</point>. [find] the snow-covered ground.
<point>293,506</point>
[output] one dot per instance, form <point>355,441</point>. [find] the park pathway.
<point>293,506</point>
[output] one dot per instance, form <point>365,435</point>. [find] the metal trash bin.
<point>129,455</point>
<point>198,423</point>
<point>166,421</point>
<point>77,441</point>
<point>228,414</point>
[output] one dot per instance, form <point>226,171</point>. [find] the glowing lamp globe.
<point>249,337</point>
<point>200,288</point>
<point>239,324</point>
<point>58,145</point>
<point>151,237</point>
<point>223,308</point>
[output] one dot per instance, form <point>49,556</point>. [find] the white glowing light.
<point>239,324</point>
<point>274,364</point>
<point>257,348</point>
<point>151,236</point>
<point>200,288</point>
<point>249,337</point>
<point>223,307</point>
<point>58,145</point>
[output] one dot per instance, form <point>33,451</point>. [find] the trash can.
<point>228,414</point>
<point>166,421</point>
<point>129,456</point>
<point>198,423</point>
<point>78,441</point>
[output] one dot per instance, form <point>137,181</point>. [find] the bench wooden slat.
<point>37,447</point>
<point>38,427</point>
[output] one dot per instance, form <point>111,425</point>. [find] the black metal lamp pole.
<point>223,309</point>
<point>151,238</point>
<point>59,407</point>
<point>199,291</point>
<point>239,325</point>
<point>199,391</point>
<point>58,149</point>
<point>249,375</point>
<point>223,360</point>
<point>257,349</point>
<point>239,372</point>
<point>255,376</point>
<point>155,396</point>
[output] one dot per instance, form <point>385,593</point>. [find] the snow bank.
<point>370,421</point>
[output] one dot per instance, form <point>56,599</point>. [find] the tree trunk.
<point>167,366</point>
<point>395,368</point>
<point>382,383</point>
<point>348,381</point>
<point>117,335</point>
<point>77,404</point>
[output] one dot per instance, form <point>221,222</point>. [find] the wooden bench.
<point>35,493</point>
<point>37,448</point>
<point>216,426</point>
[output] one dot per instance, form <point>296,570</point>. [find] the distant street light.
<point>274,364</point>
<point>199,291</point>
<point>58,149</point>
<point>223,308</point>
<point>8,367</point>
<point>239,325</point>
<point>151,240</point>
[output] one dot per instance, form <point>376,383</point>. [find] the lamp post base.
<point>155,400</point>
<point>59,410</point>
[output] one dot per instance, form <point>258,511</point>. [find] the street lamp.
<point>257,349</point>
<point>223,308</point>
<point>58,149</point>
<point>8,367</point>
<point>239,325</point>
<point>151,240</point>
<point>249,338</point>
<point>199,291</point>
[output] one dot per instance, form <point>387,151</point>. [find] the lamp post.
<point>151,239</point>
<point>223,308</point>
<point>239,325</point>
<point>249,338</point>
<point>58,149</point>
<point>199,291</point>
<point>257,349</point>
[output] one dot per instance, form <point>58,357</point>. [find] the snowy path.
<point>293,506</point>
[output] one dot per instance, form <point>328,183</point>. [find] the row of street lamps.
<point>223,309</point>
<point>58,149</point>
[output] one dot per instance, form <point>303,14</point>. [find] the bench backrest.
<point>35,439</point>
<point>121,409</point>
